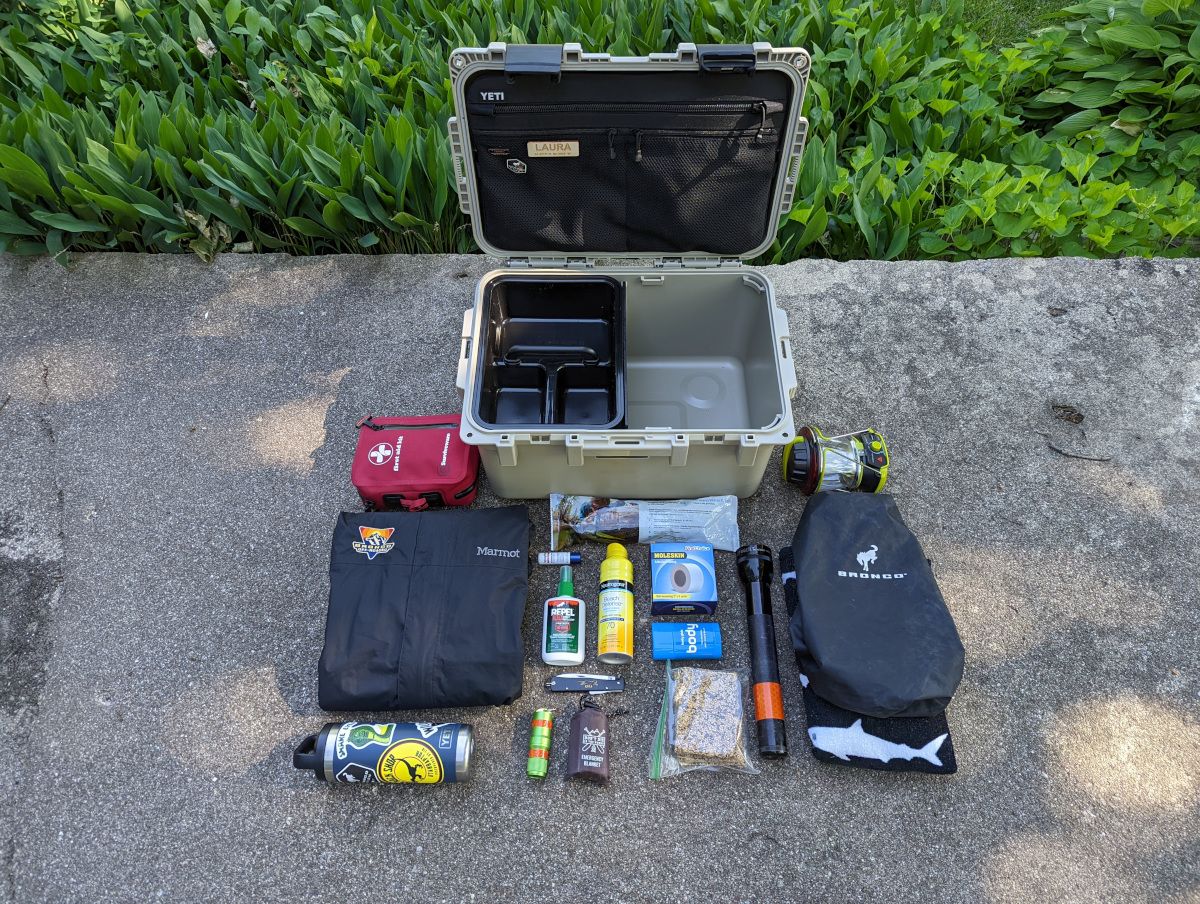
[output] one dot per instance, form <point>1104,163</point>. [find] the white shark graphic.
<point>844,743</point>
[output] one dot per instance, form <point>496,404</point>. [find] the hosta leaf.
<point>1076,123</point>
<point>1152,8</point>
<point>1139,37</point>
<point>1093,94</point>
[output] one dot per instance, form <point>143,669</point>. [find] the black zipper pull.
<point>762,126</point>
<point>612,139</point>
<point>368,422</point>
<point>637,143</point>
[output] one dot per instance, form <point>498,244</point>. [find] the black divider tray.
<point>553,353</point>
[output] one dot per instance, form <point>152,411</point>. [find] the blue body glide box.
<point>683,579</point>
<point>683,640</point>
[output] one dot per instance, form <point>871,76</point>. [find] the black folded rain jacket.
<point>425,609</point>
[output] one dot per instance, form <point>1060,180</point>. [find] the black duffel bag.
<point>425,610</point>
<point>871,631</point>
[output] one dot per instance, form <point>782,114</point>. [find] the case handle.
<point>726,57</point>
<point>787,365</point>
<point>533,59</point>
<point>464,351</point>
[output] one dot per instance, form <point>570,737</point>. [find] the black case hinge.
<point>533,59</point>
<point>725,57</point>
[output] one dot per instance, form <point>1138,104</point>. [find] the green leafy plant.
<point>922,145</point>
<point>309,127</point>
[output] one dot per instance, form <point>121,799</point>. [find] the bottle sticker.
<point>552,149</point>
<point>562,626</point>
<point>615,617</point>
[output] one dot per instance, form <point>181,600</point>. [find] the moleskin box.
<point>683,579</point>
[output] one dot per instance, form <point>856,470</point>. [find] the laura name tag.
<point>553,149</point>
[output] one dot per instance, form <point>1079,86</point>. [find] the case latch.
<point>533,59</point>
<point>725,57</point>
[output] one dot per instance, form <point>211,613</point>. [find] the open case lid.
<point>692,156</point>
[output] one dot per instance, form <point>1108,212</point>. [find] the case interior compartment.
<point>552,353</point>
<point>668,351</point>
<point>701,354</point>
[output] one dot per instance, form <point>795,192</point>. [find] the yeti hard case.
<point>624,348</point>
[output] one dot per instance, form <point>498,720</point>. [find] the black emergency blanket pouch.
<point>425,609</point>
<point>869,626</point>
<point>840,737</point>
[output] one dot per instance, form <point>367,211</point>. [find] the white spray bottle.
<point>564,623</point>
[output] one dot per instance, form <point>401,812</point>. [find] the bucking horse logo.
<point>866,557</point>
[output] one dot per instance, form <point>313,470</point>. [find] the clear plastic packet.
<point>712,520</point>
<point>702,724</point>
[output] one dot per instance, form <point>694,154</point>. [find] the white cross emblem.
<point>380,454</point>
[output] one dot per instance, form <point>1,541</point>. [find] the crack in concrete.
<point>52,437</point>
<point>47,426</point>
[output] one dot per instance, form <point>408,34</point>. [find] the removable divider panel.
<point>552,353</point>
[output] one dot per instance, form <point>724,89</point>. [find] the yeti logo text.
<point>866,557</point>
<point>505,553</point>
<point>492,95</point>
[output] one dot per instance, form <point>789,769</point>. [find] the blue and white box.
<point>686,640</point>
<point>683,579</point>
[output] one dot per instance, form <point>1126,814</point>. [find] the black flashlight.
<point>754,568</point>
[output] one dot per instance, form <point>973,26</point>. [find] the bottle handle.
<point>305,755</point>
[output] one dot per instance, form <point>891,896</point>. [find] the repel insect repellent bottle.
<point>615,607</point>
<point>563,624</point>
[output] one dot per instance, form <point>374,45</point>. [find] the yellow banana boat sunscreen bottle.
<point>614,635</point>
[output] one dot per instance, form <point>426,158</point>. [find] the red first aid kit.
<point>413,463</point>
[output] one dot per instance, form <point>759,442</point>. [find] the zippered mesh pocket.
<point>544,202</point>
<point>704,192</point>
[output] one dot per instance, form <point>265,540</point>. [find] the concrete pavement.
<point>175,441</point>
